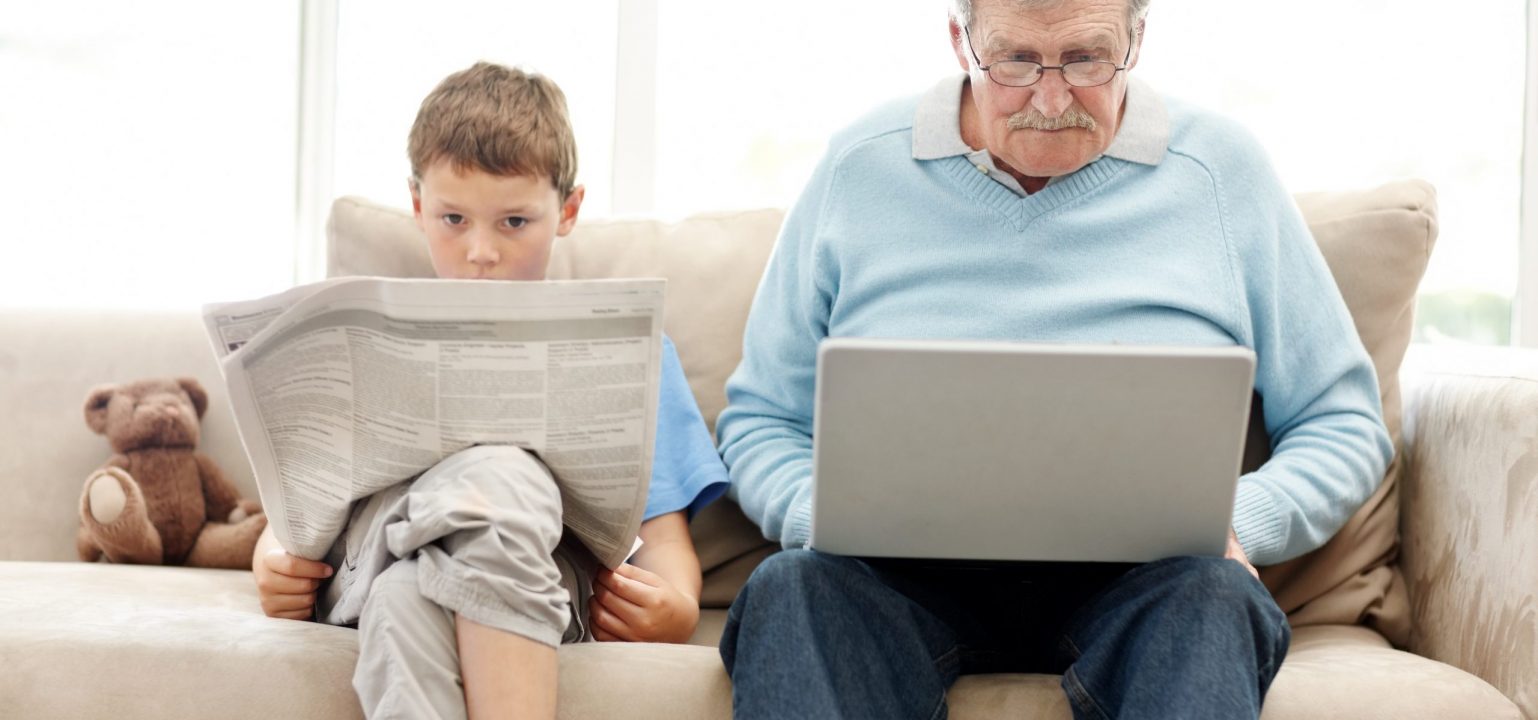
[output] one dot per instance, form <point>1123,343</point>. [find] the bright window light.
<point>390,54</point>
<point>148,151</point>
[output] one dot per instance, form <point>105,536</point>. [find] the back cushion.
<point>1377,243</point>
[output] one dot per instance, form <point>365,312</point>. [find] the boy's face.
<point>484,226</point>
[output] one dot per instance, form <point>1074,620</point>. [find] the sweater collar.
<point>1142,138</point>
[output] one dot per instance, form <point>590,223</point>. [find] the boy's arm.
<point>657,598</point>
<point>669,552</point>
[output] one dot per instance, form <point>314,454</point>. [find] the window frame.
<point>635,130</point>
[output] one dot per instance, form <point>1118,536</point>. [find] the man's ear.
<point>196,393</point>
<point>956,45</point>
<point>96,407</point>
<point>569,210</point>
<point>1137,46</point>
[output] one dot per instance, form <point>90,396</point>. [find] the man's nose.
<point>1052,95</point>
<point>483,249</point>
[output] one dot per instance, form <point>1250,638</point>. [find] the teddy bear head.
<point>148,413</point>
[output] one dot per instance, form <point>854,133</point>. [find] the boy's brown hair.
<point>498,120</point>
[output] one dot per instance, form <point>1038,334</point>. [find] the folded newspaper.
<point>346,387</point>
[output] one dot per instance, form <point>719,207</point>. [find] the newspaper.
<point>345,387</point>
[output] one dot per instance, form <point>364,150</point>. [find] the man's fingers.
<point>279,561</point>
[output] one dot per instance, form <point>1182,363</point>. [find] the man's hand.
<point>635,605</point>
<point>1235,551</point>
<point>287,583</point>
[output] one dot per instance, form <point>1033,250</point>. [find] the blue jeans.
<point>821,636</point>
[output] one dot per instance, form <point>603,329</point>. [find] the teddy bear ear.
<point>196,393</point>
<point>96,407</point>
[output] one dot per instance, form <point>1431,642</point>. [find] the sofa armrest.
<point>1469,513</point>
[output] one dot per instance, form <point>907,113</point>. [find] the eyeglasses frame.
<point>1044,68</point>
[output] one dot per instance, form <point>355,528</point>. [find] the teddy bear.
<point>158,501</point>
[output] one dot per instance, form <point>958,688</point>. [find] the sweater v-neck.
<point>1020,212</point>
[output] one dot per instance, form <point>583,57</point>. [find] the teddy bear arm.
<point>219,495</point>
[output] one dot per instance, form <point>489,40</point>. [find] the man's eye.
<point>454,219</point>
<point>515,222</point>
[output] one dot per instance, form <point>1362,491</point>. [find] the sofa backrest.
<point>1376,242</point>
<point>49,361</point>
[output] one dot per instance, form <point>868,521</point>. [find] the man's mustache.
<point>1034,120</point>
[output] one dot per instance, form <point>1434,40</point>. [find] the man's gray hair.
<point>1136,11</point>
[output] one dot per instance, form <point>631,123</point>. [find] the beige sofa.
<point>85,641</point>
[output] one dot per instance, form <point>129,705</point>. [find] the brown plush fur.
<point>177,502</point>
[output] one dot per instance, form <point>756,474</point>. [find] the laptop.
<point>998,451</point>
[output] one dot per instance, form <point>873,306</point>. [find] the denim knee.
<point>1222,585</point>
<point>793,573</point>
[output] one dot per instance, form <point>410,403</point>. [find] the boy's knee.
<point>396,603</point>
<point>496,483</point>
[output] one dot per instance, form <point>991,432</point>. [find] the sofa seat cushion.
<point>128,642</point>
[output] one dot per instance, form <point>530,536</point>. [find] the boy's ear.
<point>569,210</point>
<point>416,199</point>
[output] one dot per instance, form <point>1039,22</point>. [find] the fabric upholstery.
<point>49,360</point>
<point>1470,514</point>
<point>130,642</point>
<point>1377,243</point>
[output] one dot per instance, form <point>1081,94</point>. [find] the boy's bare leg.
<point>505,675</point>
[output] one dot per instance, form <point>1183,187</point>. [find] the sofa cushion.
<point>1377,243</point>
<point>128,642</point>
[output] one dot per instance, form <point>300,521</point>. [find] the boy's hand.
<point>636,605</point>
<point>287,583</point>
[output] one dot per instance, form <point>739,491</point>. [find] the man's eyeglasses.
<point>1024,73</point>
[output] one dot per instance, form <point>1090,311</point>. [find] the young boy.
<point>455,577</point>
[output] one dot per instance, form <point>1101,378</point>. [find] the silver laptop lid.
<point>1011,451</point>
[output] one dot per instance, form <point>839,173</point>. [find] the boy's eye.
<point>454,219</point>
<point>515,222</point>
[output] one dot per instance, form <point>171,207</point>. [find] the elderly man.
<point>1044,196</point>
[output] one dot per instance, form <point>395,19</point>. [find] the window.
<point>391,54</point>
<point>161,142</point>
<point>149,152</point>
<point>747,98</point>
<point>1349,95</point>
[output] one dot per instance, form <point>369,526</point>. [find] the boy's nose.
<point>483,251</point>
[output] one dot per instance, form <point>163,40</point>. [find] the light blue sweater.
<point>1204,248</point>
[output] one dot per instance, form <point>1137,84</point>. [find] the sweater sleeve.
<point>765,432</point>
<point>1317,383</point>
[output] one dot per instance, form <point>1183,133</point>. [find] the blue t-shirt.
<point>687,472</point>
